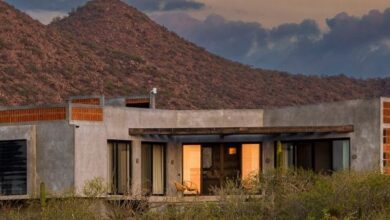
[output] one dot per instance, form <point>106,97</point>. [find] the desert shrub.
<point>127,209</point>
<point>344,195</point>
<point>95,187</point>
<point>69,208</point>
<point>32,68</point>
<point>2,44</point>
<point>289,194</point>
<point>293,194</point>
<point>115,54</point>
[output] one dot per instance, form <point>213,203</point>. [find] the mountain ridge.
<point>108,47</point>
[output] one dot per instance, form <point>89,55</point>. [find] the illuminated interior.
<point>191,166</point>
<point>232,150</point>
<point>210,165</point>
<point>250,160</point>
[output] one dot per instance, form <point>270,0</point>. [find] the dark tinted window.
<point>13,168</point>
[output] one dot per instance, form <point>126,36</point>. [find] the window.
<point>13,167</point>
<point>120,169</point>
<point>250,160</point>
<point>153,168</point>
<point>191,166</point>
<point>232,150</point>
<point>341,155</point>
<point>322,156</point>
<point>207,157</point>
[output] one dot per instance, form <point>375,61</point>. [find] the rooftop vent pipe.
<point>153,94</point>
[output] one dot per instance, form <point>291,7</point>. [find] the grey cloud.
<point>165,5</point>
<point>52,5</point>
<point>182,5</point>
<point>145,5</point>
<point>357,46</point>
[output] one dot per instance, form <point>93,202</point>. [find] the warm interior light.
<point>232,150</point>
<point>250,160</point>
<point>191,165</point>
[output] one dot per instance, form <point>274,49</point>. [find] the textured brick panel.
<point>87,114</point>
<point>386,104</point>
<point>386,112</point>
<point>36,114</point>
<point>87,101</point>
<point>386,150</point>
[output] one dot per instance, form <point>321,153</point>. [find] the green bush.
<point>95,187</point>
<point>294,195</point>
<point>282,194</point>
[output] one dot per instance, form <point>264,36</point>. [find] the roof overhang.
<point>241,130</point>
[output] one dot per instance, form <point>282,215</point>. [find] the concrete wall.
<point>28,133</point>
<point>91,155</point>
<point>50,154</point>
<point>55,155</point>
<point>363,114</point>
<point>91,151</point>
<point>154,118</point>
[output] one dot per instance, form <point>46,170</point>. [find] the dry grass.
<point>288,195</point>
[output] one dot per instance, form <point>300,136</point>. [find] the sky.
<point>321,37</point>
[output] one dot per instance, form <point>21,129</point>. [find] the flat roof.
<point>241,130</point>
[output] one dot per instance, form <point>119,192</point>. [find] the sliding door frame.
<point>164,147</point>
<point>128,164</point>
<point>312,141</point>
<point>219,144</point>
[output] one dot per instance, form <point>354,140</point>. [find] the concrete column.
<point>136,183</point>
<point>32,185</point>
<point>173,167</point>
<point>268,156</point>
<point>355,157</point>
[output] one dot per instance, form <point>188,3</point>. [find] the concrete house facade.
<point>139,150</point>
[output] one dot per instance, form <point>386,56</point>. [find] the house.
<point>138,149</point>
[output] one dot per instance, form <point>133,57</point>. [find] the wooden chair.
<point>180,187</point>
<point>191,187</point>
<point>186,186</point>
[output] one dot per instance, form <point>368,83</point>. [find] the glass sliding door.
<point>119,172</point>
<point>158,169</point>
<point>288,156</point>
<point>321,156</point>
<point>192,166</point>
<point>153,168</point>
<point>146,168</point>
<point>251,154</point>
<point>340,155</point>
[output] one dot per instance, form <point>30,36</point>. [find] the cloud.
<point>145,5</point>
<point>357,46</point>
<point>45,17</point>
<point>165,5</point>
<point>353,45</point>
<point>47,5</point>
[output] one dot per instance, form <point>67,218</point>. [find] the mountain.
<point>39,65</point>
<point>108,47</point>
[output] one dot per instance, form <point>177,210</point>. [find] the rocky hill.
<point>107,47</point>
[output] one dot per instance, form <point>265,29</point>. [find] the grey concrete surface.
<point>68,154</point>
<point>365,141</point>
<point>28,133</point>
<point>55,156</point>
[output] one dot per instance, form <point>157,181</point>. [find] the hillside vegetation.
<point>108,47</point>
